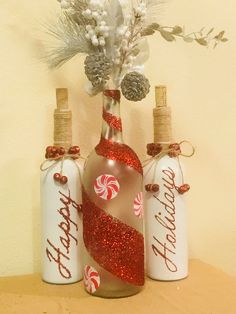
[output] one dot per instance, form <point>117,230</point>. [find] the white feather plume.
<point>69,40</point>
<point>154,10</point>
<point>115,19</point>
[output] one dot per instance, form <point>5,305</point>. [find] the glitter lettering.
<point>61,255</point>
<point>63,270</point>
<point>163,251</point>
<point>166,219</point>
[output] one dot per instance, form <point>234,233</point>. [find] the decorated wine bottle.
<point>165,208</point>
<point>61,202</point>
<point>112,211</point>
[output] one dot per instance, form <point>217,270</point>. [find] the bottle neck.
<point>112,124</point>
<point>162,125</point>
<point>62,128</point>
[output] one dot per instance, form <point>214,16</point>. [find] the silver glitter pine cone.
<point>97,68</point>
<point>135,86</point>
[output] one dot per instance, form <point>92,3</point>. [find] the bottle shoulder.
<point>164,166</point>
<point>119,152</point>
<point>68,165</point>
<point>164,163</point>
<point>167,161</point>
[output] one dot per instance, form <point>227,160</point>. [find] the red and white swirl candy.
<point>91,279</point>
<point>106,186</point>
<point>138,205</point>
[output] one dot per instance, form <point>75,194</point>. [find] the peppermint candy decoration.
<point>138,205</point>
<point>91,279</point>
<point>107,187</point>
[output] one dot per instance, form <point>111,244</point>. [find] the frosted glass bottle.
<point>62,242</point>
<point>112,211</point>
<point>165,210</point>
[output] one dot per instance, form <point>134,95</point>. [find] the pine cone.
<point>135,86</point>
<point>97,68</point>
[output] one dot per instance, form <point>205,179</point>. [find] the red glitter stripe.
<point>112,121</point>
<point>112,93</point>
<point>115,246</point>
<point>119,152</point>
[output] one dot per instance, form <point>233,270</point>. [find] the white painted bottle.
<point>60,202</point>
<point>165,208</point>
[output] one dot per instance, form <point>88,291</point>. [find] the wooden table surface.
<point>206,291</point>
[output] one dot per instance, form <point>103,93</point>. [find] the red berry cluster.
<point>155,188</point>
<point>74,150</point>
<point>58,152</point>
<point>59,178</point>
<point>152,188</point>
<point>174,150</point>
<point>153,149</point>
<point>54,152</point>
<point>183,188</point>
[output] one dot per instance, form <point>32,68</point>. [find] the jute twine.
<point>62,128</point>
<point>50,163</point>
<point>62,120</point>
<point>163,132</point>
<point>153,161</point>
<point>162,125</point>
<point>162,117</point>
<point>62,135</point>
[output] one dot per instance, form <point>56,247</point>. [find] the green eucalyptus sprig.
<point>170,33</point>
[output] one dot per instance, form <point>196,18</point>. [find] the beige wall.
<point>202,95</point>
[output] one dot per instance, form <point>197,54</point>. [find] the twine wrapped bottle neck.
<point>62,120</point>
<point>112,124</point>
<point>162,118</point>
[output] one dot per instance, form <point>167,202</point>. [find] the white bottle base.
<point>167,279</point>
<point>61,283</point>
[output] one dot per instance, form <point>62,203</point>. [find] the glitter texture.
<point>112,121</point>
<point>115,246</point>
<point>112,93</point>
<point>119,152</point>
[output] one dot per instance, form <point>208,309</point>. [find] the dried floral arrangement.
<point>113,36</point>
